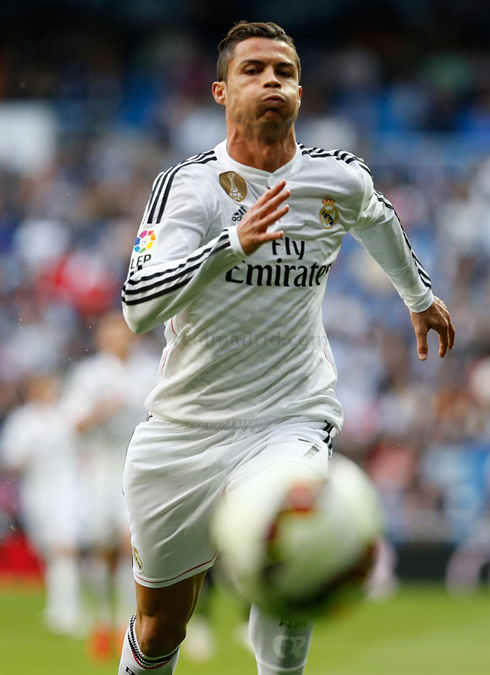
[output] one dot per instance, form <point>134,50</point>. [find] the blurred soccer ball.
<point>299,544</point>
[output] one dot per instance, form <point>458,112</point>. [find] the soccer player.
<point>104,402</point>
<point>38,444</point>
<point>233,255</point>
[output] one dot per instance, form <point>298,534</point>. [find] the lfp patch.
<point>144,241</point>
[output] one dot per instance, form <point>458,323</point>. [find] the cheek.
<point>240,101</point>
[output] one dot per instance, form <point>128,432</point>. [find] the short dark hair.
<point>243,30</point>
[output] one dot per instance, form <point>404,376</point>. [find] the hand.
<point>252,230</point>
<point>438,318</point>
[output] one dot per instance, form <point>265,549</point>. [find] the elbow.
<point>135,322</point>
<point>138,328</point>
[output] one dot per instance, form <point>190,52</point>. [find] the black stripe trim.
<point>223,237</point>
<point>134,282</point>
<point>340,155</point>
<point>171,180</point>
<point>155,195</point>
<point>162,282</point>
<point>325,154</point>
<point>137,291</point>
<point>166,174</point>
<point>366,169</point>
<point>156,295</point>
<point>422,272</point>
<point>384,201</point>
<point>219,248</point>
<point>418,264</point>
<point>427,284</point>
<point>424,276</point>
<point>349,157</point>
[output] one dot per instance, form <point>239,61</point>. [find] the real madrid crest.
<point>329,213</point>
<point>137,560</point>
<point>234,185</point>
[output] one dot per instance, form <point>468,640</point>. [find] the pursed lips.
<point>273,100</point>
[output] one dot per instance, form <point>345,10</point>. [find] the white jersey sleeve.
<point>174,260</point>
<point>380,232</point>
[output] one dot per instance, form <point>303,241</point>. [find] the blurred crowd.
<point>420,118</point>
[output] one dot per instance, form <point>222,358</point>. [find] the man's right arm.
<point>170,266</point>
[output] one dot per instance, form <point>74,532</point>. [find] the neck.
<point>267,154</point>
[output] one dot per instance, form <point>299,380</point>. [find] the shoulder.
<point>344,161</point>
<point>175,185</point>
<point>195,166</point>
<point>340,166</point>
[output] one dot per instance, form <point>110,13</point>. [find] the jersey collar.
<point>257,175</point>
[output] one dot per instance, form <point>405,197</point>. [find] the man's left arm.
<point>380,232</point>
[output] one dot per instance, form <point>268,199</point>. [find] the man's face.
<point>262,87</point>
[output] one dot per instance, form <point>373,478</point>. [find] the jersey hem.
<point>237,423</point>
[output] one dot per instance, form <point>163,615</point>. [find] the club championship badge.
<point>234,185</point>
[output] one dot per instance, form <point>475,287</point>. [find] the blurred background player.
<point>105,399</point>
<point>38,445</point>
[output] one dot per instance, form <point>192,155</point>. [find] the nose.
<point>271,79</point>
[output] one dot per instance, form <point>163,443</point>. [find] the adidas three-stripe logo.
<point>238,215</point>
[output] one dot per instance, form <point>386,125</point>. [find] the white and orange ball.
<point>298,543</point>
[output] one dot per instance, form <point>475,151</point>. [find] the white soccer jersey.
<point>95,381</point>
<point>37,441</point>
<point>103,377</point>
<point>245,338</point>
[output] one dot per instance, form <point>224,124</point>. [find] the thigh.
<point>174,603</point>
<point>172,479</point>
<point>294,442</point>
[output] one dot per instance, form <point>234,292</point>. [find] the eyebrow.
<point>259,62</point>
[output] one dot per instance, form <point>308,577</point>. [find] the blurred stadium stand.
<point>97,98</point>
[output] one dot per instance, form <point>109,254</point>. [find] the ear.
<point>300,93</point>
<point>219,92</point>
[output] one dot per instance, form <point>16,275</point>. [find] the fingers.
<point>422,346</point>
<point>443,341</point>
<point>266,211</point>
<point>270,194</point>
<point>275,215</point>
<point>447,332</point>
<point>452,334</point>
<point>437,318</point>
<point>273,203</point>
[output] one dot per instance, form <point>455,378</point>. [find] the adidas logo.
<point>239,214</point>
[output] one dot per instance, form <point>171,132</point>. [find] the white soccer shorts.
<point>175,473</point>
